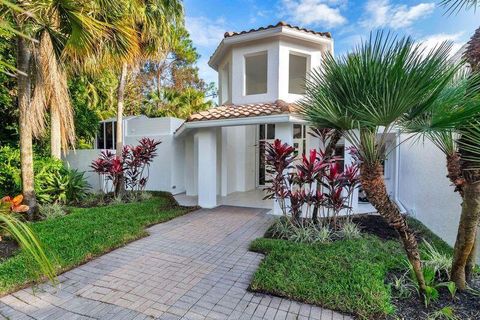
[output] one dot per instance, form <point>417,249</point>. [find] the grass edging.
<point>87,233</point>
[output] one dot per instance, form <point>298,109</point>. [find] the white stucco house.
<point>215,157</point>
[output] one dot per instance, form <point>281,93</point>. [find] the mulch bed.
<point>465,305</point>
<point>8,247</point>
<point>376,225</point>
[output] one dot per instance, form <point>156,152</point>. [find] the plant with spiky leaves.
<point>365,94</point>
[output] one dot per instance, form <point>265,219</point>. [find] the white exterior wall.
<point>314,58</point>
<point>167,168</point>
<point>81,161</point>
<point>425,191</point>
<point>238,72</point>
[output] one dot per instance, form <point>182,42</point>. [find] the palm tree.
<point>450,124</point>
<point>364,95</point>
<point>153,21</point>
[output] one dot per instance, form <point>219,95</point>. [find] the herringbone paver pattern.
<point>193,267</point>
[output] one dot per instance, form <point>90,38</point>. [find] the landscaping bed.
<point>353,275</point>
<point>86,233</point>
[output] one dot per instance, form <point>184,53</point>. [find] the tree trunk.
<point>25,129</point>
<point>55,134</point>
<point>472,259</point>
<point>454,170</point>
<point>120,187</point>
<point>467,230</point>
<point>373,183</point>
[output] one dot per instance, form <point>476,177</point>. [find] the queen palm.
<point>365,94</point>
<point>153,22</point>
<point>64,31</point>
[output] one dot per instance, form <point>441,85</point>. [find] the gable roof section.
<point>244,111</point>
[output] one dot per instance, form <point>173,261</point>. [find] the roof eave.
<point>277,118</point>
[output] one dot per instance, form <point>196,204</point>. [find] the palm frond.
<point>366,93</point>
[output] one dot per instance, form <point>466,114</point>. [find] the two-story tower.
<point>261,74</point>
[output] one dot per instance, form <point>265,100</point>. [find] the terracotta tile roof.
<point>243,111</point>
<point>279,24</point>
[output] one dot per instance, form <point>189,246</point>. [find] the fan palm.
<point>364,95</point>
<point>451,125</point>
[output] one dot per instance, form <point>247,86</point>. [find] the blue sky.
<point>348,20</point>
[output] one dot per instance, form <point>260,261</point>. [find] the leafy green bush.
<point>53,182</point>
<point>51,211</point>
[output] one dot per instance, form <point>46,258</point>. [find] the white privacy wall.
<point>167,168</point>
<point>424,189</point>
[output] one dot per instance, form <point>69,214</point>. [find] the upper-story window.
<point>297,74</point>
<point>256,73</point>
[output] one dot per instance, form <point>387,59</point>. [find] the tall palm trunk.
<point>467,231</point>
<point>373,183</point>
<point>26,149</point>
<point>55,133</point>
<point>119,129</point>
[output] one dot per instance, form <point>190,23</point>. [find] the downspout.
<point>396,198</point>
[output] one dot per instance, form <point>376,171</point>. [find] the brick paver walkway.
<point>193,267</point>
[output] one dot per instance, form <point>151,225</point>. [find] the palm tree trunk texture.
<point>454,170</point>
<point>373,183</point>
<point>472,258</point>
<point>55,133</point>
<point>467,230</point>
<point>26,149</point>
<point>455,175</point>
<point>119,129</point>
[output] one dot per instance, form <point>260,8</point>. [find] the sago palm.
<point>364,94</point>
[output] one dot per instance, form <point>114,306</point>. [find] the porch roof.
<point>244,114</point>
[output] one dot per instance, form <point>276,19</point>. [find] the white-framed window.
<point>299,139</point>
<point>106,136</point>
<point>266,134</point>
<point>297,73</point>
<point>256,70</point>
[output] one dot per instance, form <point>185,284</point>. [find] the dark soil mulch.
<point>465,305</point>
<point>7,248</point>
<point>376,225</point>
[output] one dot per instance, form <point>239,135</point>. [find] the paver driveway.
<point>193,267</point>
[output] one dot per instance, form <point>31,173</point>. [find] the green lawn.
<point>86,233</point>
<point>347,275</point>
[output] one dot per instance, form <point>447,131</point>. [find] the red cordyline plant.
<point>295,183</point>
<point>133,166</point>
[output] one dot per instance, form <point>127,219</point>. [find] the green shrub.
<point>53,182</point>
<point>51,211</point>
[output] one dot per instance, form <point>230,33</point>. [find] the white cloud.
<point>434,40</point>
<point>205,32</point>
<point>314,12</point>
<point>381,13</point>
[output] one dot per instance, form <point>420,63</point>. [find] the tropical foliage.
<point>366,94</point>
<point>11,225</point>
<point>131,169</point>
<point>53,184</point>
<point>315,181</point>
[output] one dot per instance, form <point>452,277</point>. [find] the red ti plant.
<point>133,166</point>
<point>296,187</point>
<point>279,158</point>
